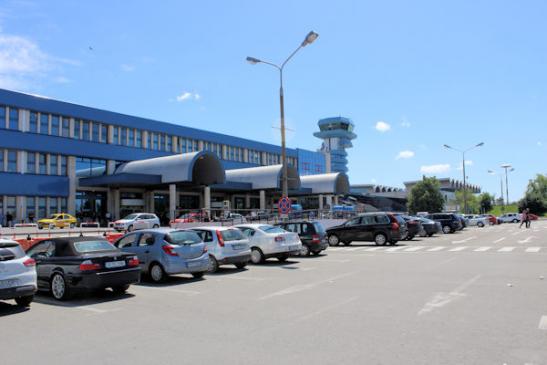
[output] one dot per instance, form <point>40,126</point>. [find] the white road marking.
<point>499,240</point>
<point>506,249</point>
<point>438,248</point>
<point>334,260</point>
<point>543,323</point>
<point>325,309</point>
<point>373,248</point>
<point>180,291</point>
<point>527,240</point>
<point>482,249</point>
<point>97,310</point>
<point>465,240</point>
<point>533,249</point>
<point>393,249</point>
<point>441,299</point>
<point>354,249</point>
<point>518,232</point>
<point>248,279</point>
<point>456,249</point>
<point>412,249</point>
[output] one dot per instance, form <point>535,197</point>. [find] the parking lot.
<point>473,297</point>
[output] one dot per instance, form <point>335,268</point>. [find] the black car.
<point>450,223</point>
<point>377,227</point>
<point>429,227</point>
<point>312,234</point>
<point>66,265</point>
<point>413,224</point>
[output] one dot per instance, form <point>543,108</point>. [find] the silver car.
<point>137,221</point>
<point>226,245</point>
<point>17,274</point>
<point>167,251</point>
<point>476,220</point>
<point>270,241</point>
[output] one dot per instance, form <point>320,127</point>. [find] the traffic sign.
<point>284,206</point>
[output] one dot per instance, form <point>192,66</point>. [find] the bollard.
<point>28,237</point>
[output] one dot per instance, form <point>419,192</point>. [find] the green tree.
<point>485,201</point>
<point>473,204</point>
<point>426,196</point>
<point>535,197</point>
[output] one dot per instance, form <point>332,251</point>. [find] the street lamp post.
<point>463,152</point>
<point>310,38</point>
<point>506,167</point>
<point>491,172</point>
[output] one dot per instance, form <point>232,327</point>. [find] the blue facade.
<point>310,163</point>
<point>336,133</point>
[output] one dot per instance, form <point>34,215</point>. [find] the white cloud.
<point>435,169</point>
<point>539,144</point>
<point>382,126</point>
<point>405,154</point>
<point>127,67</point>
<point>187,95</point>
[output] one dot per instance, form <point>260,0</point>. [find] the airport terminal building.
<point>62,157</point>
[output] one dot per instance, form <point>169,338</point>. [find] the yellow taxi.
<point>59,220</point>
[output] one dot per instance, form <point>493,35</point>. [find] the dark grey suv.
<point>379,227</point>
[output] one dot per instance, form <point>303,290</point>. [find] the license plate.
<point>10,283</point>
<point>114,264</point>
<point>194,264</point>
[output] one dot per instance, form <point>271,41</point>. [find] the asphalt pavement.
<point>473,297</point>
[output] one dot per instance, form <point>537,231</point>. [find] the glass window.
<point>85,131</point>
<point>182,145</point>
<point>94,132</point>
<point>2,116</point>
<point>54,125</point>
<point>33,122</point>
<point>131,135</point>
<point>169,143</point>
<point>1,165</point>
<point>53,206</point>
<point>65,127</point>
<point>155,141</point>
<point>93,246</point>
<point>64,170</point>
<point>115,135</point>
<point>185,237</point>
<point>123,136</point>
<point>104,133</point>
<point>53,165</point>
<point>44,123</point>
<point>77,129</point>
<point>31,207</point>
<point>31,163</point>
<point>144,237</point>
<point>126,241</point>
<point>12,161</point>
<point>42,165</point>
<point>63,204</point>
<point>41,207</point>
<point>89,167</point>
<point>139,139</point>
<point>13,118</point>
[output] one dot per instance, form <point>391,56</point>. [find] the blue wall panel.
<point>33,185</point>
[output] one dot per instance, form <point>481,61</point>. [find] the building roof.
<point>265,177</point>
<point>331,183</point>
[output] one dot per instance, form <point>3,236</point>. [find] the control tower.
<point>336,133</point>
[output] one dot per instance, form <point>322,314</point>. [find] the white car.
<point>509,218</point>
<point>234,218</point>
<point>226,245</point>
<point>270,241</point>
<point>137,221</point>
<point>17,274</point>
<point>476,220</point>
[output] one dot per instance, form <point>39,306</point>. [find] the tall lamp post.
<point>463,152</point>
<point>491,172</point>
<point>310,38</point>
<point>507,166</point>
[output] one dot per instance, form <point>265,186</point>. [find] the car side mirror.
<point>150,240</point>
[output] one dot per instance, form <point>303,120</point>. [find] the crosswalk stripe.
<point>353,249</point>
<point>439,248</point>
<point>533,249</point>
<point>373,249</point>
<point>482,249</point>
<point>412,249</point>
<point>456,249</point>
<point>506,249</point>
<point>393,249</point>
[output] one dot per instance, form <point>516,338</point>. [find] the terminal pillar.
<point>116,204</point>
<point>262,200</point>
<point>71,170</point>
<point>207,200</point>
<point>329,201</point>
<point>336,200</point>
<point>320,201</point>
<point>172,201</point>
<point>247,201</point>
<point>20,207</point>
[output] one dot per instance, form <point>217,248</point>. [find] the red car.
<point>190,218</point>
<point>491,218</point>
<point>532,217</point>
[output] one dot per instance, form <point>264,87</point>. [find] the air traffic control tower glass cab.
<point>336,133</point>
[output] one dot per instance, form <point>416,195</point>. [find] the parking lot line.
<point>438,248</point>
<point>373,249</point>
<point>412,249</point>
<point>533,249</point>
<point>543,323</point>
<point>506,249</point>
<point>393,249</point>
<point>465,240</point>
<point>482,249</point>
<point>499,240</point>
<point>457,249</point>
<point>527,240</point>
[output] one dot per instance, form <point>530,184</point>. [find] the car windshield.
<point>183,238</point>
<point>131,216</point>
<point>54,216</point>
<point>271,229</point>
<point>232,235</point>
<point>93,246</point>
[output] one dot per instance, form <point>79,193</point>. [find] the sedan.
<point>17,274</point>
<point>476,220</point>
<point>429,227</point>
<point>269,241</point>
<point>165,251</point>
<point>66,265</point>
<point>137,221</point>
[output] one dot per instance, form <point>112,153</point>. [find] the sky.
<point>412,76</point>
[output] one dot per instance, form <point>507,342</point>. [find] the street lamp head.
<point>506,165</point>
<point>446,146</point>
<point>512,169</point>
<point>480,144</point>
<point>252,60</point>
<point>310,38</point>
<point>491,172</point>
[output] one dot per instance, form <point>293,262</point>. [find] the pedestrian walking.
<point>524,218</point>
<point>528,220</point>
<point>9,219</point>
<point>31,217</point>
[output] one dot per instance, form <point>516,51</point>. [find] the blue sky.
<point>434,72</point>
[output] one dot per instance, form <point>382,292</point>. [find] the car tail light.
<point>315,238</point>
<point>394,226</point>
<point>29,262</point>
<point>220,239</point>
<point>89,265</point>
<point>133,262</point>
<point>169,250</point>
<point>279,238</point>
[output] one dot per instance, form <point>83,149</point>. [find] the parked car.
<point>59,220</point>
<point>166,251</point>
<point>66,265</point>
<point>429,227</point>
<point>270,241</point>
<point>17,274</point>
<point>226,246</point>
<point>191,217</point>
<point>492,219</point>
<point>379,227</point>
<point>463,221</point>
<point>312,235</point>
<point>137,221</point>
<point>259,215</point>
<point>450,223</point>
<point>233,218</point>
<point>413,224</point>
<point>476,220</point>
<point>532,217</point>
<point>509,218</point>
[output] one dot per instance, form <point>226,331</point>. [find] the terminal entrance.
<point>91,205</point>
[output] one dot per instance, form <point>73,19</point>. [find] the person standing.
<point>524,218</point>
<point>9,219</point>
<point>528,220</point>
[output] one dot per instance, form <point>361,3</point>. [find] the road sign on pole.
<point>284,207</point>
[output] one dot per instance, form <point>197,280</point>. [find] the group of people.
<point>525,218</point>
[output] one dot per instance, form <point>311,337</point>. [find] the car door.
<point>145,249</point>
<point>351,230</point>
<point>207,237</point>
<point>140,222</point>
<point>128,244</point>
<point>367,228</point>
<point>42,253</point>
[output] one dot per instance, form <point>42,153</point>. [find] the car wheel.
<point>24,301</point>
<point>422,233</point>
<point>480,224</point>
<point>120,289</point>
<point>156,273</point>
<point>305,250</point>
<point>380,239</point>
<point>58,287</point>
<point>241,265</point>
<point>130,228</point>
<point>256,256</point>
<point>213,264</point>
<point>40,226</point>
<point>316,253</point>
<point>198,275</point>
<point>515,221</point>
<point>156,226</point>
<point>447,229</point>
<point>283,257</point>
<point>334,240</point>
<point>430,235</point>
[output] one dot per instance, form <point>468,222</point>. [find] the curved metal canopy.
<point>265,177</point>
<point>331,183</point>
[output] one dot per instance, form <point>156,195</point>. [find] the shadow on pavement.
<point>7,309</point>
<point>171,280</point>
<point>82,299</point>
